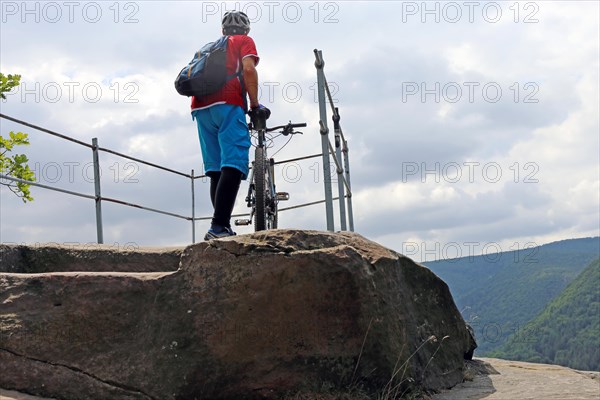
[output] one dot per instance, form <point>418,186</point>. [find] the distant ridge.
<point>500,298</point>
<point>567,332</point>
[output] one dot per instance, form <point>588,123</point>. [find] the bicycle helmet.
<point>235,23</point>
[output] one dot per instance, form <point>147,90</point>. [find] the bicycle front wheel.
<point>272,199</point>
<point>260,174</point>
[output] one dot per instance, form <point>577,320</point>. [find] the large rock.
<point>252,316</point>
<point>50,257</point>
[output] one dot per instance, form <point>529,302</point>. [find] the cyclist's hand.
<point>260,111</point>
<point>258,116</point>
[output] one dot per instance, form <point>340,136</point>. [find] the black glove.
<point>260,111</point>
<point>259,116</point>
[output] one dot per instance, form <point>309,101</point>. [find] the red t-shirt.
<point>238,48</point>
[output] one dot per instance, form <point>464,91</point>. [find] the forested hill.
<point>499,294</point>
<point>567,332</point>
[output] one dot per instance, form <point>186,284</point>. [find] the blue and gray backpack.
<point>207,72</point>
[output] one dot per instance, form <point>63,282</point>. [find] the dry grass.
<point>329,396</point>
<point>398,386</point>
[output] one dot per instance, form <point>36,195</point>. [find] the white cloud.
<point>464,58</point>
<point>372,51</point>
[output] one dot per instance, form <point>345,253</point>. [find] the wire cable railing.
<point>342,169</point>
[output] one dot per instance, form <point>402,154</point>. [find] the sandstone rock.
<point>472,343</point>
<point>495,379</point>
<point>50,257</point>
<point>12,395</point>
<point>251,316</point>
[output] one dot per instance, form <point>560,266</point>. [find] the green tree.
<point>567,331</point>
<point>14,165</point>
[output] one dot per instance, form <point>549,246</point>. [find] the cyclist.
<point>222,127</point>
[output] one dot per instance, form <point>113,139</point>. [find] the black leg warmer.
<point>225,194</point>
<point>214,182</point>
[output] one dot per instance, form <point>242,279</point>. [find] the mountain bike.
<point>263,198</point>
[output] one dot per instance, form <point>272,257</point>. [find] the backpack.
<point>207,72</point>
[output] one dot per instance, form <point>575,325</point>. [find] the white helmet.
<point>235,23</point>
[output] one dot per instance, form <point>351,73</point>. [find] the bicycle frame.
<point>262,197</point>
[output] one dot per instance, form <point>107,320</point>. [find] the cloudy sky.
<point>473,127</point>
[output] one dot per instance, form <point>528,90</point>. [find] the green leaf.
<point>15,165</point>
<point>7,83</point>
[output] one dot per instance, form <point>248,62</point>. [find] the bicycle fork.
<point>268,194</point>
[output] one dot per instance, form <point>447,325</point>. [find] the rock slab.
<point>251,316</point>
<point>52,257</point>
<point>510,380</point>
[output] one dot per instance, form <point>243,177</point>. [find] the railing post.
<point>98,198</point>
<point>349,198</point>
<point>193,209</point>
<point>319,64</point>
<point>340,172</point>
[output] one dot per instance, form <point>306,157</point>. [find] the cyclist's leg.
<point>234,141</point>
<point>214,182</point>
<point>234,138</point>
<point>226,193</point>
<point>208,133</point>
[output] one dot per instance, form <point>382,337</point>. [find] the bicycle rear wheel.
<point>260,171</point>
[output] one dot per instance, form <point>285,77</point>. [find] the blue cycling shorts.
<point>224,137</point>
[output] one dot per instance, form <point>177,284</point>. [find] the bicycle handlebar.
<point>287,129</point>
<point>287,126</point>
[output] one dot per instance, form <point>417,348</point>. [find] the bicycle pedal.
<point>283,196</point>
<point>239,222</point>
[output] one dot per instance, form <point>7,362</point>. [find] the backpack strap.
<point>235,75</point>
<point>241,75</point>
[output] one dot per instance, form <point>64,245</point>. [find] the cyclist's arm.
<point>251,80</point>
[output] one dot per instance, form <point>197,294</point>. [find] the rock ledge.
<point>251,316</point>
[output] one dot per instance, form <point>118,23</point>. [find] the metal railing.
<point>341,149</point>
<point>342,169</point>
<point>97,197</point>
